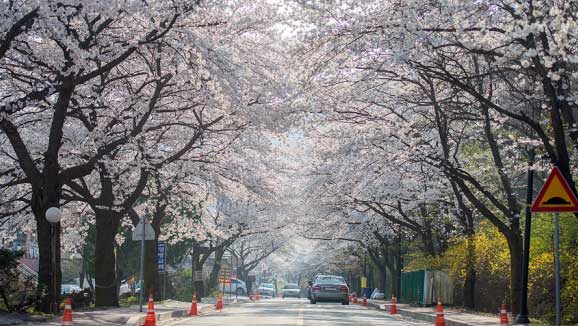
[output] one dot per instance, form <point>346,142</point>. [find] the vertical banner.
<point>161,255</point>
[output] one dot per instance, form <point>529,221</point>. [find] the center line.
<point>300,316</point>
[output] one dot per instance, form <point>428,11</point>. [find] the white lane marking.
<point>300,317</point>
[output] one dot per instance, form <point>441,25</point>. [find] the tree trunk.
<point>515,245</point>
<point>470,280</point>
<point>383,277</point>
<point>197,267</point>
<point>151,268</point>
<point>104,260</point>
<point>213,278</point>
<point>49,281</point>
<point>151,279</point>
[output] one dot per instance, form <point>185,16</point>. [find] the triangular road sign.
<point>556,195</point>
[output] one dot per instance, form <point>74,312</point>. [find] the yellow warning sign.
<point>556,195</point>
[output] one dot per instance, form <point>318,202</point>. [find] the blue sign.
<point>161,255</point>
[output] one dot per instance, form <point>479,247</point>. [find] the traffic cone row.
<point>151,319</point>
<point>220,302</point>
<point>67,316</point>
<point>503,315</point>
<point>393,307</point>
<point>440,321</point>
<point>193,311</point>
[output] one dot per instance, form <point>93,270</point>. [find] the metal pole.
<point>54,303</point>
<point>523,316</point>
<point>142,250</point>
<point>557,263</point>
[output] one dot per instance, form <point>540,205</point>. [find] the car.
<point>235,286</point>
<point>70,288</point>
<point>291,290</point>
<point>377,294</point>
<point>331,288</point>
<point>267,289</point>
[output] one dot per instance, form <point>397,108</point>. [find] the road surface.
<point>297,312</point>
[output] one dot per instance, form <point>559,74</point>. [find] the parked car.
<point>126,288</point>
<point>377,294</point>
<point>236,286</point>
<point>267,289</point>
<point>70,288</point>
<point>291,290</point>
<point>330,288</point>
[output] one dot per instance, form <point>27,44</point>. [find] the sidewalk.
<point>128,316</point>
<point>453,317</point>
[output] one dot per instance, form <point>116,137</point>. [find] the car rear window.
<point>291,286</point>
<point>330,280</point>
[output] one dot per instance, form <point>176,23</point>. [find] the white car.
<point>70,288</point>
<point>236,286</point>
<point>291,290</point>
<point>377,294</point>
<point>267,289</point>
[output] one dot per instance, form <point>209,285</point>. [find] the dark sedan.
<point>329,288</point>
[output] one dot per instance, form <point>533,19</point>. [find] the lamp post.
<point>53,216</point>
<point>522,317</point>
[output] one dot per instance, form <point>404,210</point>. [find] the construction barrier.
<point>393,308</point>
<point>503,315</point>
<point>194,311</point>
<point>151,319</point>
<point>220,302</point>
<point>440,320</point>
<point>67,316</point>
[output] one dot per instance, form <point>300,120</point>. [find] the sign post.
<point>556,196</point>
<point>143,231</point>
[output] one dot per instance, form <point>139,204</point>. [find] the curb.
<point>139,320</point>
<point>162,316</point>
<point>423,316</point>
<point>417,315</point>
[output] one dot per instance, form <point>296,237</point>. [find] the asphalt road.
<point>297,312</point>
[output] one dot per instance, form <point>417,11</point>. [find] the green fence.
<point>412,287</point>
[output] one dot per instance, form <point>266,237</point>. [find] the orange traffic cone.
<point>257,296</point>
<point>349,297</point>
<point>354,298</point>
<point>440,321</point>
<point>503,315</point>
<point>364,301</point>
<point>193,311</point>
<point>151,319</point>
<point>67,316</point>
<point>220,302</point>
<point>393,308</point>
<point>251,296</point>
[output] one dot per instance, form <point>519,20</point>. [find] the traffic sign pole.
<point>556,196</point>
<point>557,263</point>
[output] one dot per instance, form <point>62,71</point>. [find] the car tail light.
<point>317,288</point>
<point>343,288</point>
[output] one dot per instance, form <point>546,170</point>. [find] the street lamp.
<point>53,216</point>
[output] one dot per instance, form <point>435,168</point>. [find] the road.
<point>295,312</point>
